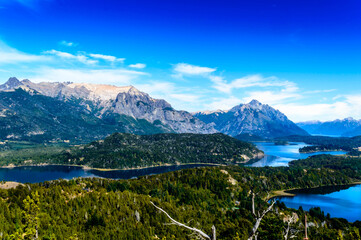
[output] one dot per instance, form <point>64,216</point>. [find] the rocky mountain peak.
<point>253,118</point>
<point>13,80</point>
<point>350,119</point>
<point>132,89</point>
<point>103,100</point>
<point>254,102</point>
<point>25,81</point>
<point>12,83</point>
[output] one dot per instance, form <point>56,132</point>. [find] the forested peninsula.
<point>124,151</point>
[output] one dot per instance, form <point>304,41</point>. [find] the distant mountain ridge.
<point>253,118</point>
<point>107,102</point>
<point>126,106</point>
<point>30,116</point>
<point>347,127</point>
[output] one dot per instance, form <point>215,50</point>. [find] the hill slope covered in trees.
<point>121,150</point>
<point>201,197</point>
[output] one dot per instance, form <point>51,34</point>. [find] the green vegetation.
<point>121,150</point>
<point>200,197</point>
<point>33,117</point>
<point>349,166</point>
<point>20,153</point>
<point>322,143</point>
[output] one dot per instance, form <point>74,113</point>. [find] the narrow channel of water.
<point>34,174</point>
<point>281,155</point>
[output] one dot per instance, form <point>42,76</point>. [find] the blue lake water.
<point>34,174</point>
<point>281,155</point>
<point>276,155</point>
<point>341,203</point>
<point>344,203</point>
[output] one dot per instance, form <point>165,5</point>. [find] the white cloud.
<point>104,76</point>
<point>10,55</point>
<point>158,89</point>
<point>85,58</point>
<point>273,97</point>
<point>345,106</point>
<point>138,65</point>
<point>188,69</point>
<point>68,44</point>
<point>320,91</point>
<point>223,103</point>
<point>107,57</point>
<point>190,98</point>
<point>248,81</point>
<point>65,55</point>
<point>178,97</point>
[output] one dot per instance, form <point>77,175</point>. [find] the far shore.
<point>85,167</point>
<point>286,193</point>
<point>110,169</point>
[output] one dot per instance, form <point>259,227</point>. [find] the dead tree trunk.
<point>200,233</point>
<point>258,217</point>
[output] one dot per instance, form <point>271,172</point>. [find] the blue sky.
<point>301,57</point>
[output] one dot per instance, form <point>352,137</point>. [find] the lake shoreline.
<point>287,193</point>
<point>257,157</point>
<point>10,166</point>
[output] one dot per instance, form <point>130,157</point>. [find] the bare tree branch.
<point>253,208</point>
<point>258,219</point>
<point>295,234</point>
<point>195,230</point>
<point>214,232</point>
<point>287,230</point>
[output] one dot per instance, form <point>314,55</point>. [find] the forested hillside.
<point>122,150</point>
<point>200,198</point>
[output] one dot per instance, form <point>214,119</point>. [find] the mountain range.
<point>37,118</point>
<point>108,108</point>
<point>252,118</point>
<point>347,127</point>
<point>83,111</point>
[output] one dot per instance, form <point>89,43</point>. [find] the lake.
<point>34,174</point>
<point>341,202</point>
<point>281,155</point>
<point>276,155</point>
<point>344,203</point>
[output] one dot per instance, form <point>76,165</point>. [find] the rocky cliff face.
<point>34,117</point>
<point>105,100</point>
<point>254,118</point>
